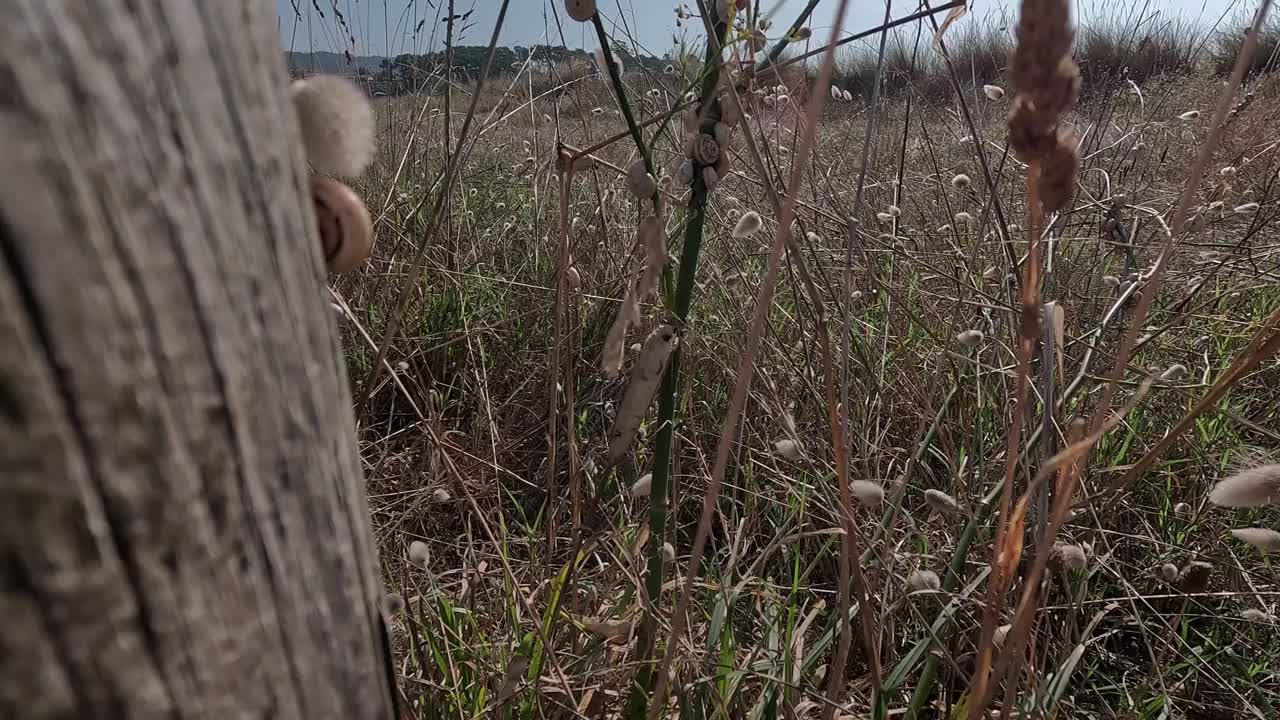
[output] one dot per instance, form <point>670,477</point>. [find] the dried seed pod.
<point>867,492</point>
<point>580,10</point>
<point>1194,577</point>
<point>618,633</point>
<point>706,150</point>
<point>747,225</point>
<point>1169,572</point>
<point>787,448</point>
<point>336,124</point>
<point>654,241</point>
<point>970,338</point>
<point>1068,556</point>
<point>1265,539</point>
<point>419,554</point>
<point>923,580</point>
<point>642,486</point>
<point>1254,487</point>
<point>940,501</point>
<point>346,231</point>
<point>645,376</point>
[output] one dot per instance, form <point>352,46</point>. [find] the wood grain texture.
<point>183,527</point>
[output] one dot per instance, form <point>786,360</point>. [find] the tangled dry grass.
<point>1028,466</point>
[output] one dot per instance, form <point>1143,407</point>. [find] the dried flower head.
<point>923,580</point>
<point>1069,556</point>
<point>1254,487</point>
<point>993,92</point>
<point>1265,539</point>
<point>867,492</point>
<point>940,501</point>
<point>642,486</point>
<point>749,224</point>
<point>336,123</point>
<point>419,554</point>
<point>1169,572</point>
<point>961,182</point>
<point>970,338</point>
<point>581,10</point>
<point>787,448</point>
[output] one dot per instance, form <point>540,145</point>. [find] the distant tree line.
<point>407,72</point>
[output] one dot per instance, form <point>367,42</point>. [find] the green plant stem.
<point>619,92</point>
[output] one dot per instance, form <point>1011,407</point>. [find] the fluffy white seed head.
<point>419,554</point>
<point>1174,373</point>
<point>1248,208</point>
<point>573,278</point>
<point>1071,557</point>
<point>894,210</point>
<point>964,218</point>
<point>1110,281</point>
<point>993,92</point>
<point>1182,509</point>
<point>848,96</point>
<point>668,552</point>
<point>642,486</point>
<point>441,495</point>
<point>336,122</point>
<point>884,217</point>
<point>922,580</point>
<point>961,182</point>
<point>1255,487</point>
<point>787,448</point>
<point>940,501</point>
<point>867,492</point>
<point>1227,171</point>
<point>835,93</point>
<point>970,338</point>
<point>1254,615</point>
<point>1169,572</point>
<point>1189,115</point>
<point>1265,539</point>
<point>747,225</point>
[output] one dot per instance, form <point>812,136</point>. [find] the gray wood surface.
<point>183,527</point>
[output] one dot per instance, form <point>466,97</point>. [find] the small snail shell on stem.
<point>346,232</point>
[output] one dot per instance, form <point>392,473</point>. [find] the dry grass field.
<point>905,445</point>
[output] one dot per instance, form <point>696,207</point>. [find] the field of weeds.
<point>858,430</point>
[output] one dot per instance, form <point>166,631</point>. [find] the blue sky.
<point>386,27</point>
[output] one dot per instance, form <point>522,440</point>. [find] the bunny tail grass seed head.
<point>668,552</point>
<point>336,122</point>
<point>646,374</point>
<point>1000,635</point>
<point>1174,373</point>
<point>787,448</point>
<point>1255,487</point>
<point>1069,556</point>
<point>940,501</point>
<point>1182,509</point>
<point>419,554</point>
<point>580,10</point>
<point>961,182</point>
<point>1254,615</point>
<point>867,492</point>
<point>747,225</point>
<point>993,92</point>
<point>1190,115</point>
<point>441,495</point>
<point>970,338</point>
<point>1265,539</point>
<point>1169,572</point>
<point>642,486</point>
<point>846,95</point>
<point>835,93</point>
<point>923,580</point>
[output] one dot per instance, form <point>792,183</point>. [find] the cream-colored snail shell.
<point>346,232</point>
<point>580,10</point>
<point>706,150</point>
<point>639,181</point>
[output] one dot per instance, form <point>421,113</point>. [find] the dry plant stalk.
<point>1046,82</point>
